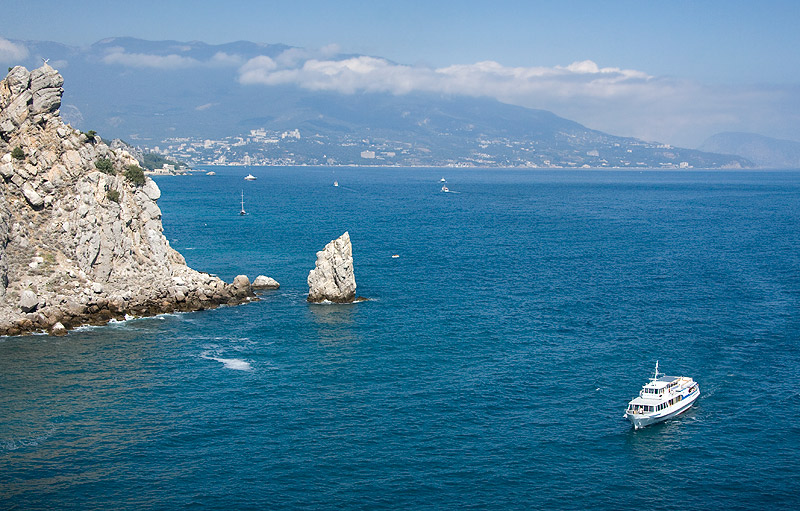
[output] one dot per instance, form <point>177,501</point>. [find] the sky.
<point>674,71</point>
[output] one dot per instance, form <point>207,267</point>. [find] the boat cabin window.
<point>642,408</point>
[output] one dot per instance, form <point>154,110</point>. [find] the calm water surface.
<point>489,370</point>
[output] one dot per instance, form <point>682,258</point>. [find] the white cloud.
<point>487,78</point>
<point>225,59</point>
<point>10,52</point>
<point>257,70</point>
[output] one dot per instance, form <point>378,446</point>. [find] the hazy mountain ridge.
<point>764,151</point>
<point>178,95</point>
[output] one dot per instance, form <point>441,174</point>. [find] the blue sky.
<point>697,56</point>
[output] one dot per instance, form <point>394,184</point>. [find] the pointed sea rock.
<point>333,279</point>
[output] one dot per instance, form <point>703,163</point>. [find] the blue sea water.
<point>489,369</point>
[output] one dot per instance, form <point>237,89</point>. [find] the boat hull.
<point>641,420</point>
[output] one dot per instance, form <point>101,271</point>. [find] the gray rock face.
<point>90,254</point>
<point>4,217</point>
<point>333,278</point>
<point>263,282</point>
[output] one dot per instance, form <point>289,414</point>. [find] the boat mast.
<point>655,376</point>
<point>242,212</point>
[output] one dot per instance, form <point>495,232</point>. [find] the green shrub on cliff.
<point>134,174</point>
<point>104,165</point>
<point>113,195</point>
<point>152,161</point>
<point>18,153</point>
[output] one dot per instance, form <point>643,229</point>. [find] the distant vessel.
<point>242,212</point>
<point>395,256</point>
<point>250,177</point>
<point>336,183</point>
<point>442,180</point>
<point>445,188</point>
<point>661,399</point>
<point>212,173</point>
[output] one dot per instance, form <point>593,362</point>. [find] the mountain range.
<point>766,152</point>
<point>188,100</point>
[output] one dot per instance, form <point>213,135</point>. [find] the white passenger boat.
<point>445,188</point>
<point>250,177</point>
<point>662,398</point>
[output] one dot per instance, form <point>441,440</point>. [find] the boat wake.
<point>236,364</point>
<point>32,441</point>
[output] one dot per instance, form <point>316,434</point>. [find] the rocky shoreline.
<point>81,239</point>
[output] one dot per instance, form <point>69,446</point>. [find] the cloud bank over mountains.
<point>626,102</point>
<point>119,56</point>
<point>371,74</point>
<point>622,101</point>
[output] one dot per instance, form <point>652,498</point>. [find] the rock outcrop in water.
<point>333,278</point>
<point>81,240</point>
<point>264,282</point>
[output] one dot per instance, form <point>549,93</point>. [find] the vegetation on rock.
<point>104,165</point>
<point>18,153</point>
<point>152,161</point>
<point>134,174</point>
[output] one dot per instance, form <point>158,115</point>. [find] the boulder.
<point>45,77</point>
<point>58,329</point>
<point>28,301</point>
<point>150,189</point>
<point>46,100</point>
<point>333,278</point>
<point>18,79</point>
<point>263,282</point>
<point>32,196</point>
<point>241,286</point>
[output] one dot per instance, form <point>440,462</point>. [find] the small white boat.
<point>250,177</point>
<point>442,180</point>
<point>445,188</point>
<point>336,183</point>
<point>395,256</point>
<point>242,212</point>
<point>662,398</point>
<point>212,173</point>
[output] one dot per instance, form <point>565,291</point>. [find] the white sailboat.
<point>242,212</point>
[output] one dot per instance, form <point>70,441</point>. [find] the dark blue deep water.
<point>489,370</point>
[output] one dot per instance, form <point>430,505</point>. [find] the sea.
<point>507,325</point>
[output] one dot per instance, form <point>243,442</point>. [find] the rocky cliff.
<point>81,239</point>
<point>333,278</point>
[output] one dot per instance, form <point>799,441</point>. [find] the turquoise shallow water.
<point>489,370</point>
